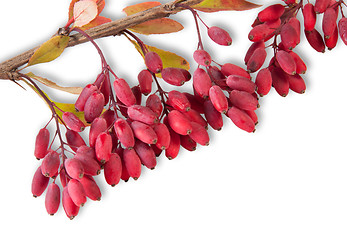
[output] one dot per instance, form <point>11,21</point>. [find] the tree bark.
<point>9,67</point>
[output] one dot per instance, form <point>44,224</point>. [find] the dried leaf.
<point>73,90</point>
<point>224,5</point>
<point>84,12</point>
<point>169,59</point>
<point>156,26</point>
<point>49,50</point>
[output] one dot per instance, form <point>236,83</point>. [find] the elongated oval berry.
<point>280,81</point>
<point>256,60</point>
<point>103,147</point>
<point>218,99</point>
<point>300,65</point>
<point>41,143</point>
<point>144,132</point>
<point>104,85</point>
<point>125,175</point>
<point>74,168</point>
<point>113,170</point>
<point>178,101</point>
<point>217,77</point>
<point>90,165</point>
<point>163,135</point>
<point>73,122</point>
<point>286,62</point>
<point>252,115</point>
<point>195,116</point>
<point>213,117</point>
<point>76,192</point>
<point>219,36</point>
<point>321,5</point>
<point>201,82</point>
<point>315,40</point>
<point>74,139</point>
<point>145,80</point>
<point>289,36</point>
<point>173,76</point>
<point>84,95</point>
<point>297,83</point>
<point>329,22</point>
<point>39,183</point>
<point>154,103</point>
<point>98,126</point>
<point>236,82</point>
<point>52,199</point>
<point>123,92</point>
<point>260,32</point>
<point>243,100</point>
<point>179,123</point>
<point>86,152</point>
<point>332,40</point>
<point>309,17</point>
<point>232,69</point>
<point>142,114</point>
<point>124,133</point>
<point>271,13</point>
<point>50,164</point>
<point>199,134</point>
<point>252,48</point>
<point>263,81</point>
<point>195,103</point>
<point>342,26</point>
<point>69,206</point>
<point>146,154</point>
<point>202,57</point>
<point>241,119</point>
<point>132,163</point>
<point>188,143</point>
<point>172,151</point>
<point>153,62</point>
<point>91,188</point>
<point>94,106</point>
<point>63,176</point>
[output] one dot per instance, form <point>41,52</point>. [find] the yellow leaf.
<point>73,90</point>
<point>156,26</point>
<point>49,50</point>
<point>224,5</point>
<point>169,59</point>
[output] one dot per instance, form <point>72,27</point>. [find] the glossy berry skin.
<point>315,40</point>
<point>90,165</point>
<point>52,199</point>
<point>90,187</point>
<point>179,123</point>
<point>219,36</point>
<point>321,5</point>
<point>331,42</point>
<point>142,114</point>
<point>329,22</point>
<point>74,139</point>
<point>213,117</point>
<point>309,17</point>
<point>145,81</point>
<point>98,126</point>
<point>103,147</point>
<point>342,26</point>
<point>73,122</point>
<point>172,151</point>
<point>153,62</point>
<point>178,101</point>
<point>163,135</point>
<point>76,192</point>
<point>41,143</point>
<point>173,76</point>
<point>300,65</point>
<point>297,83</point>
<point>69,206</point>
<point>256,60</point>
<point>188,143</point>
<point>94,106</point>
<point>199,134</point>
<point>84,95</point>
<point>241,119</point>
<point>144,132</point>
<point>113,170</point>
<point>123,92</point>
<point>195,116</point>
<point>263,81</point>
<point>201,82</point>
<point>271,13</point>
<point>232,69</point>
<point>280,81</point>
<point>39,183</point>
<point>243,100</point>
<point>74,168</point>
<point>146,154</point>
<point>154,103</point>
<point>202,57</point>
<point>103,84</point>
<point>289,36</point>
<point>218,99</point>
<point>132,163</point>
<point>124,133</point>
<point>50,164</point>
<point>286,62</point>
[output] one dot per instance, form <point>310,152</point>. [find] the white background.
<point>288,180</point>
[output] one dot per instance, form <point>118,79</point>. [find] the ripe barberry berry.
<point>219,36</point>
<point>144,132</point>
<point>84,95</point>
<point>39,183</point>
<point>73,122</point>
<point>271,13</point>
<point>132,163</point>
<point>124,133</point>
<point>145,82</point>
<point>241,119</point>
<point>201,82</point>
<point>309,17</point>
<point>41,143</point>
<point>94,106</point>
<point>52,199</point>
<point>202,57</point>
<point>50,164</point>
<point>153,62</point>
<point>123,92</point>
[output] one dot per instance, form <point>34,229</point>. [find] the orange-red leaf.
<point>157,26</point>
<point>224,5</point>
<point>99,20</point>
<point>100,4</point>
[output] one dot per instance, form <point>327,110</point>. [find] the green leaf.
<point>49,50</point>
<point>224,5</point>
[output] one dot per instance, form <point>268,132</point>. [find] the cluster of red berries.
<point>285,68</point>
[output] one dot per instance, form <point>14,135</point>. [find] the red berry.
<point>84,95</point>
<point>124,133</point>
<point>113,170</point>
<point>76,192</point>
<point>98,126</point>
<point>188,143</point>
<point>286,62</point>
<point>195,102</point>
<point>252,48</point>
<point>69,206</point>
<point>329,22</point>
<point>73,122</point>
<point>280,81</point>
<point>213,117</point>
<point>50,164</point>
<point>201,82</point>
<point>241,119</point>
<point>199,134</point>
<point>252,115</point>
<point>74,168</point>
<point>219,36</point>
<point>41,143</point>
<point>179,123</point>
<point>86,152</point>
<point>132,163</point>
<point>260,32</point>
<point>146,154</point>
<point>217,77</point>
<point>289,36</point>
<point>172,151</point>
<point>202,57</point>
<point>315,40</point>
<point>154,103</point>
<point>39,183</point>
<point>52,199</point>
<point>263,81</point>
<point>343,29</point>
<point>163,135</point>
<point>332,40</point>
<point>104,85</point>
<point>218,99</point>
<point>178,101</point>
<point>103,147</point>
<point>125,175</point>
<point>144,132</point>
<point>232,69</point>
<point>174,76</point>
<point>300,65</point>
<point>137,93</point>
<point>271,13</point>
<point>90,187</point>
<point>74,140</point>
<point>123,92</point>
<point>296,83</point>
<point>153,62</point>
<point>256,60</point>
<point>309,17</point>
<point>94,106</point>
<point>243,100</point>
<point>90,165</point>
<point>321,5</point>
<point>145,81</point>
<point>142,114</point>
<point>194,116</point>
<point>63,177</point>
